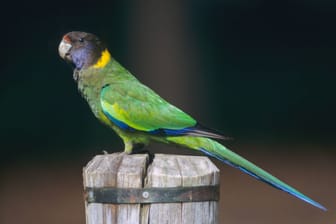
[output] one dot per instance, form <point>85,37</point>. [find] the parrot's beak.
<point>64,50</point>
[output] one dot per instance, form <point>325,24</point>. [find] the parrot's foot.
<point>107,153</point>
<point>138,148</point>
<point>144,151</point>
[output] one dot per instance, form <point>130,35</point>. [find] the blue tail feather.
<point>283,188</point>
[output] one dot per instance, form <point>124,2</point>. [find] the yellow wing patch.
<point>103,60</point>
<point>120,114</point>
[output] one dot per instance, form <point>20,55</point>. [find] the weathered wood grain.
<point>129,171</point>
<point>114,170</point>
<point>177,170</point>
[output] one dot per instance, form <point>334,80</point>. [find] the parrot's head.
<point>82,49</point>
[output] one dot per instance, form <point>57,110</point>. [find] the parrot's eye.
<point>81,39</point>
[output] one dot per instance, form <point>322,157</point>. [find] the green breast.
<point>92,80</point>
<point>90,83</point>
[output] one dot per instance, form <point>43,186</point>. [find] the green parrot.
<point>139,115</point>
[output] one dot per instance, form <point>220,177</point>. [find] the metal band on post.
<point>113,195</point>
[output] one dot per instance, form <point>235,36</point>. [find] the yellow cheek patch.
<point>103,60</point>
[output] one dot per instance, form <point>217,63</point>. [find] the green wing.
<point>131,105</point>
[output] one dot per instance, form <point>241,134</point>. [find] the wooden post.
<point>177,189</point>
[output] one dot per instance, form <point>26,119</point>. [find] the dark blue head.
<point>81,49</point>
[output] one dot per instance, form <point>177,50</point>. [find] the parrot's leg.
<point>128,147</point>
<point>137,148</point>
<point>135,142</point>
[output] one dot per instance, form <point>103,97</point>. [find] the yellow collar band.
<point>103,60</point>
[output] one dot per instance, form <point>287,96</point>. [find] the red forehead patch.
<point>66,38</point>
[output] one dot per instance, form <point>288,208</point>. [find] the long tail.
<point>220,152</point>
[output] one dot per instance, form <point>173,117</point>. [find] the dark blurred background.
<point>259,71</point>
